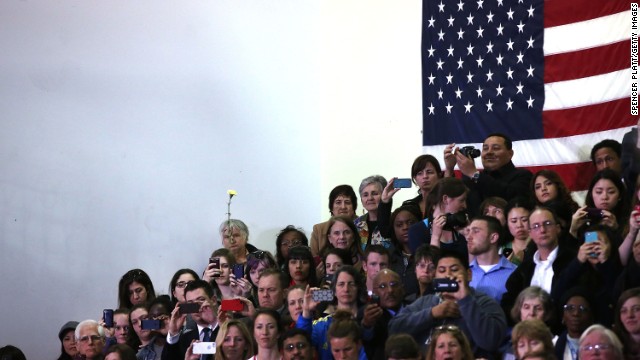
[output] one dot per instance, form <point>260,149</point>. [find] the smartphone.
<point>444,285</point>
<point>215,263</point>
<point>589,237</point>
<point>231,305</point>
<point>321,295</point>
<point>402,183</point>
<point>189,308</point>
<point>373,298</point>
<point>107,316</point>
<point>204,348</point>
<point>238,271</point>
<point>594,214</point>
<point>150,324</point>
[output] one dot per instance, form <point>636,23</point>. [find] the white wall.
<point>125,122</point>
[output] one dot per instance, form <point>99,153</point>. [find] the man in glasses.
<point>90,339</point>
<point>295,344</point>
<point>476,314</point>
<point>387,299</point>
<point>546,265</point>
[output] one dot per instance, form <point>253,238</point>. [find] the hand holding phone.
<point>402,183</point>
<point>189,308</point>
<point>232,305</point>
<point>214,263</point>
<point>591,237</point>
<point>204,348</point>
<point>238,271</point>
<point>107,316</point>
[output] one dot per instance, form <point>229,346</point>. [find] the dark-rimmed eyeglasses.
<point>183,284</point>
<point>580,308</point>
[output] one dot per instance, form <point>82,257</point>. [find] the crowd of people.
<point>492,264</point>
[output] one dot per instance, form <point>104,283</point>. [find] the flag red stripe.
<point>587,119</point>
<point>588,62</point>
<point>562,12</point>
<point>575,175</point>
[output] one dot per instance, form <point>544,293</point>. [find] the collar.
<point>502,171</point>
<point>552,257</point>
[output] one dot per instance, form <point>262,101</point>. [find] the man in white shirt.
<point>547,262</point>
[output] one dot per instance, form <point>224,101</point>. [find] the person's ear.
<point>494,238</point>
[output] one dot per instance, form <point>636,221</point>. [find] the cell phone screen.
<point>590,236</point>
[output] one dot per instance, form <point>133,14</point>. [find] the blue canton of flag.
<point>482,70</point>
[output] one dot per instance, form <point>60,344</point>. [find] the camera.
<point>444,285</point>
<point>455,220</point>
<point>594,214</point>
<point>470,151</point>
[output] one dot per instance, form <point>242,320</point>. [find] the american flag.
<point>553,75</point>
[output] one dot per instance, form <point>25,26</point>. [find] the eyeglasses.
<point>592,348</point>
<point>182,284</point>
<point>447,328</point>
<point>87,338</point>
<point>538,226</point>
<point>291,243</point>
<point>431,267</point>
<point>580,308</point>
<point>391,285</point>
<point>299,345</point>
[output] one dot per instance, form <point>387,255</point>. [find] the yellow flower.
<point>232,192</point>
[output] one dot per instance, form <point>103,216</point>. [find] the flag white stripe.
<point>587,34</point>
<point>586,91</point>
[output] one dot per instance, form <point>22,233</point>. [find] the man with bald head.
<point>385,302</point>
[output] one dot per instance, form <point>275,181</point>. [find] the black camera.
<point>444,285</point>
<point>594,214</point>
<point>470,151</point>
<point>455,220</point>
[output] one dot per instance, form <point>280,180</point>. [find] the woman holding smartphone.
<point>348,288</point>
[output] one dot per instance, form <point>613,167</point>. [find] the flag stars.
<point>509,73</point>
<point>479,91</point>
<point>499,59</point>
<point>460,34</point>
<point>480,3</point>
<point>460,6</point>
<point>479,61</point>
<point>450,50</point>
<point>530,42</point>
<point>431,51</point>
<point>510,14</point>
<point>460,62</point>
<point>470,77</point>
<point>470,19</point>
<point>431,78</point>
<point>440,63</point>
<point>489,106</point>
<point>467,108</point>
<point>469,50</point>
<point>459,93</point>
<point>520,27</point>
<point>441,6</point>
<point>530,102</point>
<point>432,22</point>
<point>490,47</point>
<point>500,2</point>
<point>440,93</point>
<point>500,29</point>
<point>509,104</point>
<point>519,56</point>
<point>431,109</point>
<point>499,90</point>
<point>449,107</point>
<point>510,45</point>
<point>530,10</point>
<point>449,79</point>
<point>490,17</point>
<point>519,87</point>
<point>489,76</point>
<point>530,71</point>
<point>450,20</point>
<point>441,35</point>
<point>480,31</point>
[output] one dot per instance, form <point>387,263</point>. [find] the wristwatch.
<point>475,177</point>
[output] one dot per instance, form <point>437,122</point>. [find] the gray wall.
<point>125,122</point>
